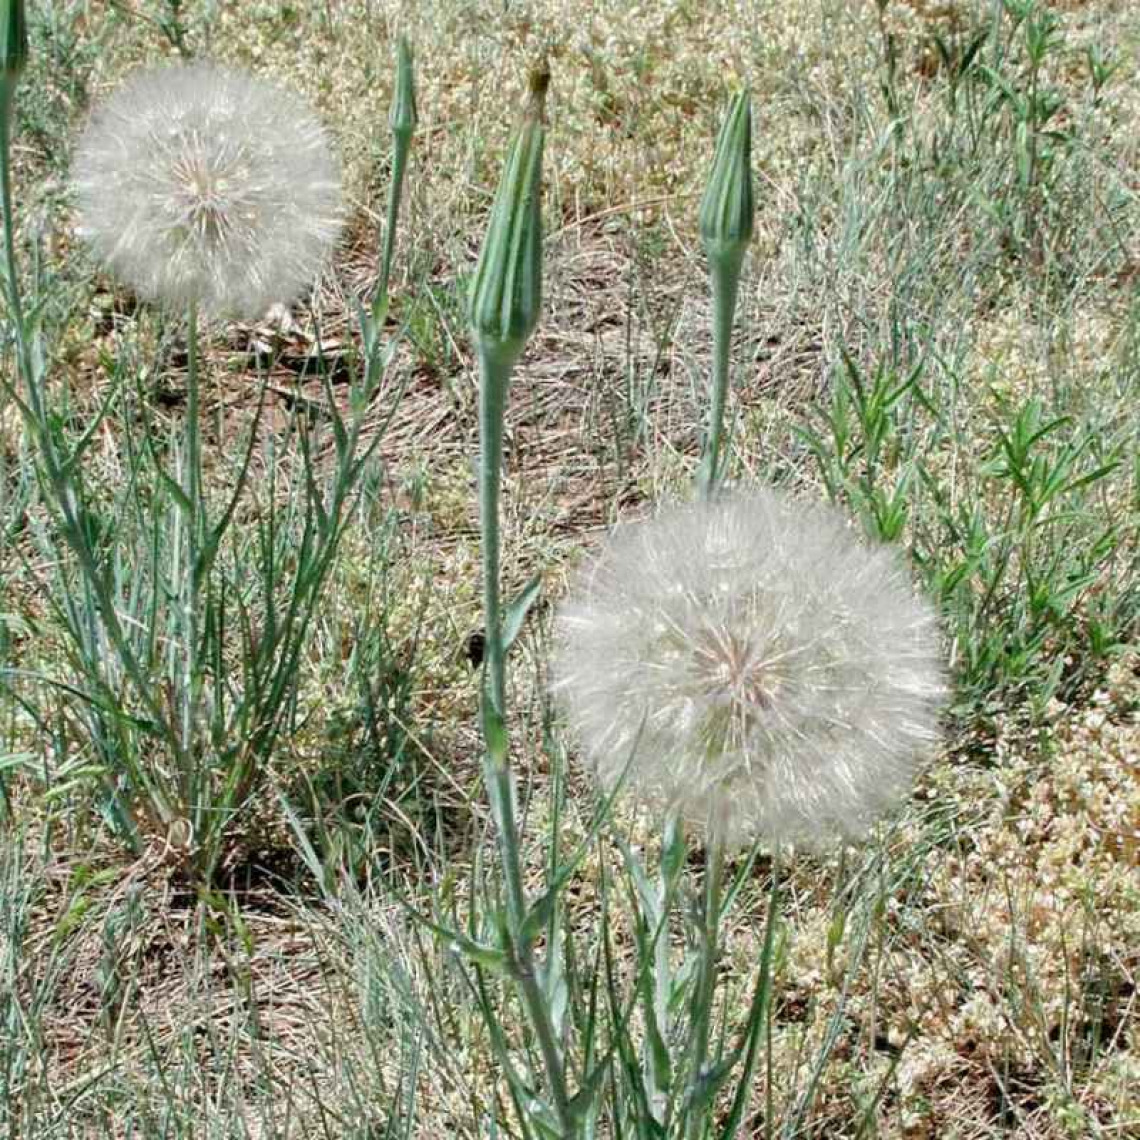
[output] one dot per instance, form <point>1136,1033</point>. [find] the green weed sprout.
<point>726,221</point>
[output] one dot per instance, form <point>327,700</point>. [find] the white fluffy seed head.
<point>199,184</point>
<point>750,662</point>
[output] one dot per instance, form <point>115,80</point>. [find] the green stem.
<point>15,302</point>
<point>706,976</point>
<point>725,274</point>
<point>196,539</point>
<point>193,411</point>
<point>495,370</point>
<point>495,374</point>
<point>672,860</point>
<point>402,144</point>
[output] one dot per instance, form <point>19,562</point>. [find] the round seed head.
<point>750,662</point>
<point>198,184</point>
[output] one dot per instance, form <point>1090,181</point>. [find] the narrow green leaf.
<point>518,608</point>
<point>16,760</point>
<point>537,917</point>
<point>709,1083</point>
<point>488,957</point>
<point>495,734</point>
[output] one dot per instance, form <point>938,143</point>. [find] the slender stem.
<point>15,301</point>
<point>495,369</point>
<point>495,373</point>
<point>196,537</point>
<point>193,411</point>
<point>1033,125</point>
<point>706,976</point>
<point>672,835</point>
<point>725,274</point>
<point>401,147</point>
<point>547,1042</point>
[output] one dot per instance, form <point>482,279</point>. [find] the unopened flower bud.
<point>507,292</point>
<point>402,113</point>
<point>727,207</point>
<point>402,123</point>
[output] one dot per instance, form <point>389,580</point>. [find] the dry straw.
<point>755,666</point>
<point>198,185</point>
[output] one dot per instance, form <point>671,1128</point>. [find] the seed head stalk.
<point>13,60</point>
<point>495,371</point>
<point>196,530</point>
<point>706,967</point>
<point>505,302</point>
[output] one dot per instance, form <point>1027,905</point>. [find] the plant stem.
<point>15,302</point>
<point>196,536</point>
<point>400,149</point>
<point>725,274</point>
<point>706,975</point>
<point>495,370</point>
<point>495,374</point>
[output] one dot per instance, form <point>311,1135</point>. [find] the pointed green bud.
<point>727,208</point>
<point>13,38</point>
<point>402,113</point>
<point>402,122</point>
<point>507,291</point>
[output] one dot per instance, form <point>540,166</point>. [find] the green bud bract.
<point>507,292</point>
<point>727,207</point>
<point>402,114</point>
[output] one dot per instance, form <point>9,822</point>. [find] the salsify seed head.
<point>751,663</point>
<point>200,184</point>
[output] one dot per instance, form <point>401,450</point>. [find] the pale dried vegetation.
<point>984,982</point>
